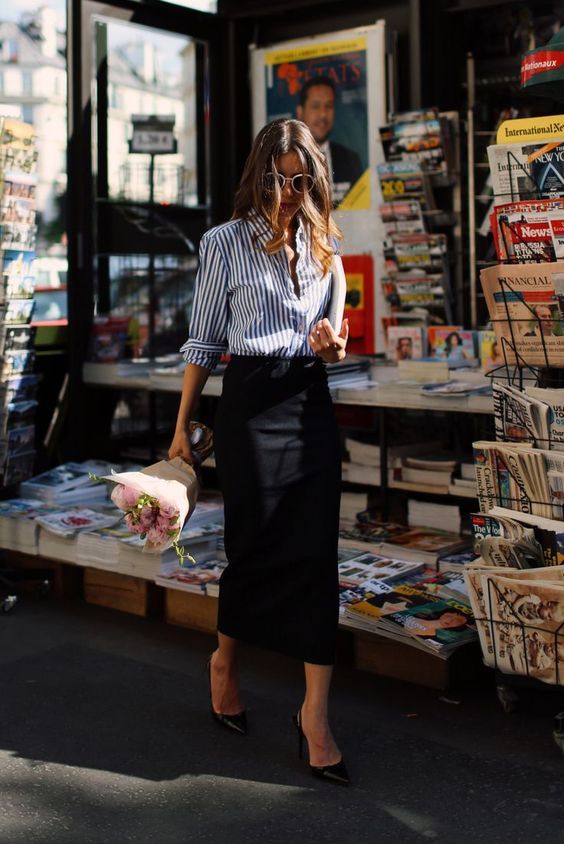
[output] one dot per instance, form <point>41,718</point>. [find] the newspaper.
<point>527,171</point>
<point>555,401</point>
<point>526,307</point>
<point>512,475</point>
<point>520,416</point>
<point>527,621</point>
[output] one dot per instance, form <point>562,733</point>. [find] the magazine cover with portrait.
<point>336,84</point>
<point>327,82</point>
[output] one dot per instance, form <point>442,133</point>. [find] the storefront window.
<point>33,89</point>
<point>149,155</point>
<point>150,72</point>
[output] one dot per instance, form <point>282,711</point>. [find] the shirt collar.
<point>263,230</point>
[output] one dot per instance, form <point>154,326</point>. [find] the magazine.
<point>363,567</point>
<point>403,180</point>
<point>18,311</point>
<point>192,578</point>
<point>419,289</point>
<point>18,362</point>
<point>402,217</point>
<point>18,468</point>
<point>490,352</point>
<point>405,342</point>
<point>524,306</point>
<point>451,343</point>
<point>425,252</point>
<point>16,338</point>
<point>410,613</point>
<point>69,522</point>
<point>21,388</point>
<point>420,141</point>
<point>68,483</point>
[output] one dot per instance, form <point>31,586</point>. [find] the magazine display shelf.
<point>105,375</point>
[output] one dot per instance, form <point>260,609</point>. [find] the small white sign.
<point>146,141</point>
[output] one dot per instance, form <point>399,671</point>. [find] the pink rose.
<point>124,497</point>
<point>165,520</point>
<point>158,537</point>
<point>148,517</point>
<point>134,527</point>
<point>167,511</point>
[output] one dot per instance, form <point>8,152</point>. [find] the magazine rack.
<point>442,220</point>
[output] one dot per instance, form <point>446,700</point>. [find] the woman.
<point>262,290</point>
<point>454,347</point>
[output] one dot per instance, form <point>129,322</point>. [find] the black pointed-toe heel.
<point>333,773</point>
<point>237,723</point>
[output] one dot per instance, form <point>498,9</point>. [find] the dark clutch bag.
<point>201,440</point>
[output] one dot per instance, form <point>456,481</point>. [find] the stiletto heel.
<point>333,773</point>
<point>296,721</point>
<point>237,723</point>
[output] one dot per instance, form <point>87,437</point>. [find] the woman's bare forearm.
<point>194,379</point>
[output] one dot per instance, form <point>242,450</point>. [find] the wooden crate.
<point>394,659</point>
<point>187,609</point>
<point>121,592</point>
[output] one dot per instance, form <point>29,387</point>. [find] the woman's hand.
<point>329,346</point>
<point>180,447</point>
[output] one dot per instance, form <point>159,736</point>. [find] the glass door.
<point>141,138</point>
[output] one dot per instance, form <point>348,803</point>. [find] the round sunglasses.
<point>301,182</point>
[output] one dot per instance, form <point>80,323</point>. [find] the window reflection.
<point>33,89</point>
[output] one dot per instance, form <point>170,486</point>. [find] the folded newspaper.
<point>526,307</point>
<point>520,619</point>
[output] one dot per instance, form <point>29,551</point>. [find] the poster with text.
<point>336,84</point>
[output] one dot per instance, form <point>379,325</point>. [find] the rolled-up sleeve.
<point>207,339</point>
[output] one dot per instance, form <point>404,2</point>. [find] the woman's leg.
<point>315,718</point>
<point>224,677</point>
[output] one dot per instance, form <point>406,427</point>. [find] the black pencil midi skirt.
<point>279,468</point>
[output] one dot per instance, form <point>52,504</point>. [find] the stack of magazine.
<point>116,549</point>
<point>201,578</point>
<point>371,533</point>
<point>69,484</point>
<point>428,611</point>
<point>19,529</point>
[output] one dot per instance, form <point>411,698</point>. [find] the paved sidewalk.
<point>105,736</point>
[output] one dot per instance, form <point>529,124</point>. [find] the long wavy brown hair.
<point>252,196</point>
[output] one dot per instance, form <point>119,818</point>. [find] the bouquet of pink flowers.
<point>157,501</point>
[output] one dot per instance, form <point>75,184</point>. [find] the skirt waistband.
<point>275,360</point>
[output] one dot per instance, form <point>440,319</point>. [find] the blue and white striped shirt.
<point>245,302</point>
